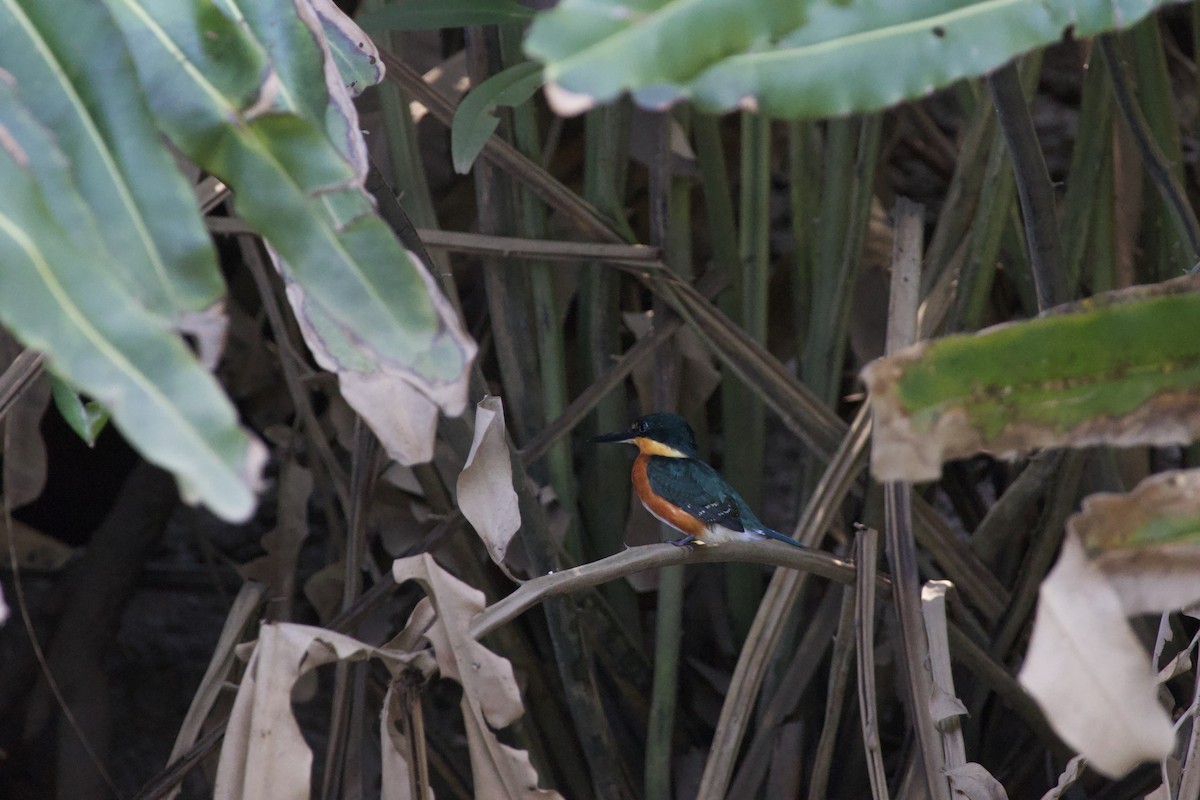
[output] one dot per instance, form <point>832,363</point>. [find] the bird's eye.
<point>642,426</point>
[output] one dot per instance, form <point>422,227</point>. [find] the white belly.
<point>719,533</point>
<point>715,533</point>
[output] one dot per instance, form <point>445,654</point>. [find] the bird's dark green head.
<point>659,434</point>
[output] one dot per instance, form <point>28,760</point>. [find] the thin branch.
<point>839,678</point>
<point>252,254</point>
<point>637,559</point>
<point>242,611</point>
<point>901,546</point>
<point>1189,779</point>
<point>933,609</point>
<point>19,376</point>
<point>997,678</point>
<point>52,683</point>
<point>820,628</point>
<point>776,607</point>
<point>635,255</point>
<point>866,554</point>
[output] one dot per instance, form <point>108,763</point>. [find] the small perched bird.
<point>684,492</point>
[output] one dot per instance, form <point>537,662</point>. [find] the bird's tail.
<point>776,535</point>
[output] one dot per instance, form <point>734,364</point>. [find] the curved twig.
<point>636,559</point>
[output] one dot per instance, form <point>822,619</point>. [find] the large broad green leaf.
<point>1121,368</point>
<point>103,258</point>
<point>252,92</point>
<point>76,79</point>
<point>792,58</point>
<point>59,292</point>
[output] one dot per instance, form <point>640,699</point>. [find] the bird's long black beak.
<point>619,436</point>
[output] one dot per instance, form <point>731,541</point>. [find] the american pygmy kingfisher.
<point>681,490</point>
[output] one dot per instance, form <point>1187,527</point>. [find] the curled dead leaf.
<point>263,753</point>
<point>490,695</point>
<point>485,485</point>
<point>972,781</point>
<point>1088,672</point>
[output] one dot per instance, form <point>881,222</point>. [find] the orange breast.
<point>669,513</point>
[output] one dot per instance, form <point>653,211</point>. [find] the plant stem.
<point>1155,162</point>
<point>898,532</point>
<point>1033,187</point>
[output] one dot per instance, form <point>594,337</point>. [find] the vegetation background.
<point>730,266</point>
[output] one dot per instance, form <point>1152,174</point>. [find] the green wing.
<point>699,490</point>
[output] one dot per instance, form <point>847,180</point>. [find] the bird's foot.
<point>686,541</point>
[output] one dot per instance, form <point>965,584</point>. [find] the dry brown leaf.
<point>1088,672</point>
<point>973,782</point>
<point>490,695</point>
<point>404,419</point>
<point>402,414</point>
<point>1124,554</point>
<point>324,588</point>
<point>485,486</point>
<point>1069,775</point>
<point>263,754</point>
<point>405,770</point>
<point>486,677</point>
<point>1179,665</point>
<point>497,769</point>
<point>1147,542</point>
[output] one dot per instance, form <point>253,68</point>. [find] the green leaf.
<point>419,15</point>
<point>86,418</point>
<point>788,58</point>
<point>76,79</point>
<point>296,167</point>
<point>1120,368</point>
<point>59,293</point>
<point>474,121</point>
